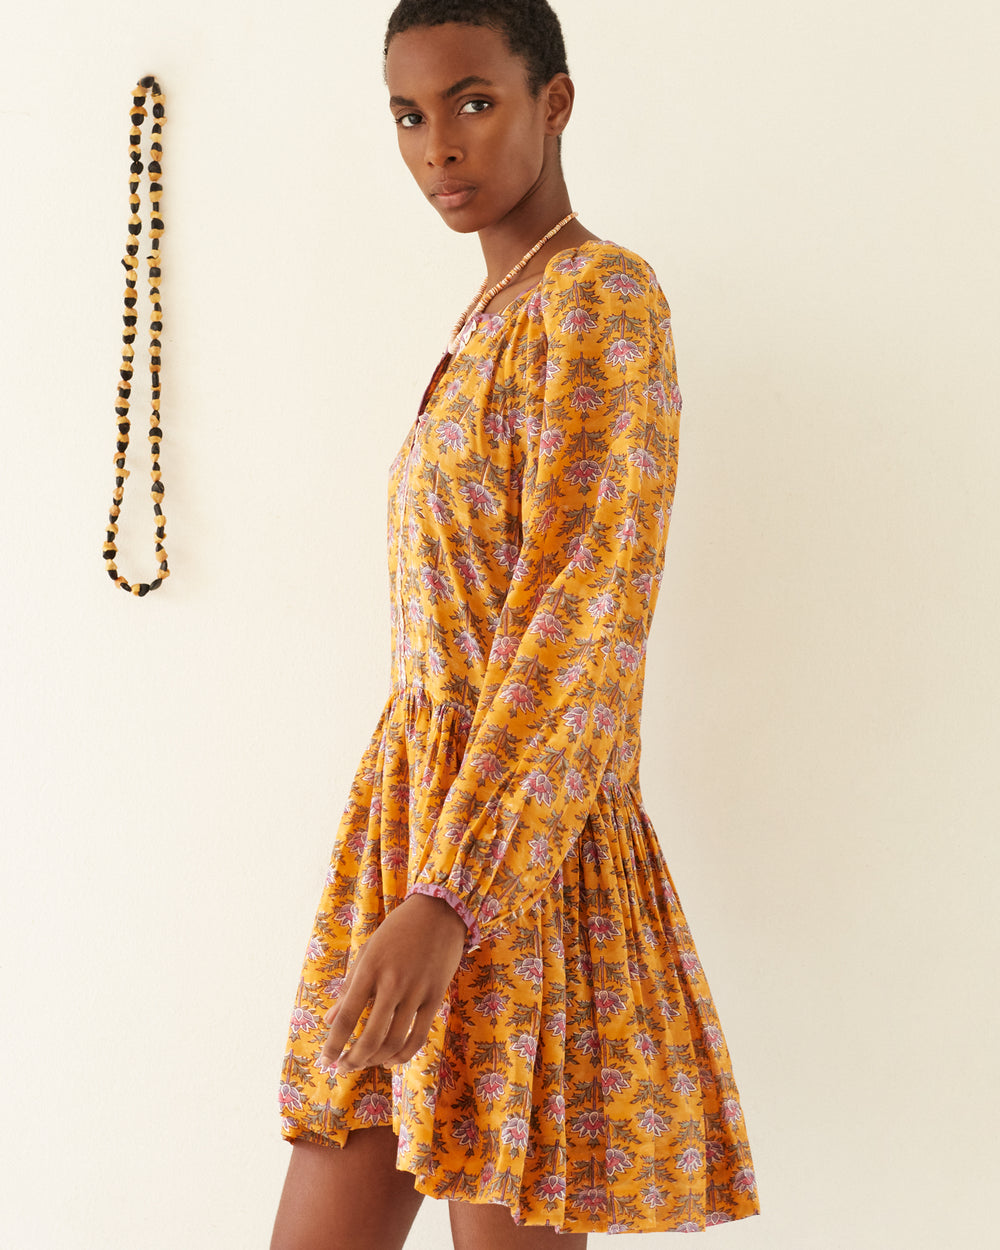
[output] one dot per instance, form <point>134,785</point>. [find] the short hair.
<point>530,27</point>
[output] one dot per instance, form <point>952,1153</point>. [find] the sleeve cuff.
<point>472,938</point>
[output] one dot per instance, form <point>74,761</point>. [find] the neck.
<point>506,241</point>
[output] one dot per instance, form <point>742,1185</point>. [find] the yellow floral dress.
<point>576,1071</point>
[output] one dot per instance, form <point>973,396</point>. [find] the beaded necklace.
<point>137,113</point>
<point>482,299</point>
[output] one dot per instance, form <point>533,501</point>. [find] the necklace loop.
<point>137,113</point>
<point>484,297</point>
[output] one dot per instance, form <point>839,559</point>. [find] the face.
<point>472,135</point>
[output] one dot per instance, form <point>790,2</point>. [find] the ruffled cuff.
<point>472,938</point>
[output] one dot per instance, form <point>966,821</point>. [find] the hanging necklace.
<point>137,113</point>
<point>482,299</point>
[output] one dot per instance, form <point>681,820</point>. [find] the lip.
<point>452,194</point>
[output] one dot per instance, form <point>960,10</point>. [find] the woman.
<point>501,1003</point>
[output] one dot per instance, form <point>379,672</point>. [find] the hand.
<point>405,967</point>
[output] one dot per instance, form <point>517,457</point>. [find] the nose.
<point>441,148</point>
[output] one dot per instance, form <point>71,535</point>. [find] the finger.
<point>393,1038</point>
<point>345,985</point>
<point>370,1040</point>
<point>349,1011</point>
<point>416,1037</point>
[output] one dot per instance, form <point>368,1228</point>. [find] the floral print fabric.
<point>576,1071</point>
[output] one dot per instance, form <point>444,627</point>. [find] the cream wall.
<point>815,185</point>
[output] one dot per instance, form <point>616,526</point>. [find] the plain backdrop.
<point>816,187</point>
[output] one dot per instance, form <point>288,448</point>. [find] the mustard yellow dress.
<point>576,1071</point>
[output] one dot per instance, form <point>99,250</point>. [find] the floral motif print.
<point>576,1071</point>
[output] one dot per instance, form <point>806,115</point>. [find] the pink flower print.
<point>604,718</point>
<point>585,399</point>
<point>439,509</point>
<point>571,674</point>
<point>435,662</point>
<point>621,352</point>
<point>689,961</point>
<point>601,928</point>
<point>731,1111</point>
<point>374,1109</point>
<point>644,461</point>
<point>617,1161</point>
<point>514,1131</point>
<point>498,849</point>
<point>594,853</point>
<point>623,285</point>
<point>578,321</point>
<point>507,555</point>
<point>302,1019</point>
<point>487,764</point>
<point>452,389</point>
<point>669,1009</point>
<point>689,1226</point>
<point>682,1084</point>
<point>589,1124</point>
<point>347,915</point>
<point>289,1097</point>
<point>525,1046</point>
<point>531,969</point>
<point>539,849</point>
<point>712,1036</point>
<point>468,644</point>
<point>580,556</point>
<point>478,498</point>
<point>650,1122</point>
<point>621,424</point>
<point>601,605</point>
<point>503,650</point>
<point>497,426</point>
<point>643,584</point>
<point>588,1041</point>
<point>470,572</point>
<point>644,1044</point>
<point>461,881</point>
<point>539,785</point>
<point>356,842</point>
<point>576,718</point>
<point>633,967</point>
<point>551,370</point>
<point>608,1003</point>
<point>466,1133</point>
<point>690,1160</point>
<point>628,656</point>
<point>551,440</point>
<point>555,1108</point>
<point>628,532</point>
<point>371,876</point>
<point>486,367</point>
<point>436,584</point>
<point>608,489</point>
<point>451,436</point>
<point>394,857</point>
<point>715,1152</point>
<point>490,1086</point>
<point>533,306</point>
<point>557,1023</point>
<point>583,471</point>
<point>590,1199</point>
<point>744,1181</point>
<point>571,264</point>
<point>548,626</point>
<point>657,393</point>
<point>489,909</point>
<point>315,949</point>
<point>614,1080</point>
<point>520,695</point>
<point>552,1189</point>
<point>492,325</point>
<point>492,1004</point>
<point>574,785</point>
<point>714,1218</point>
<point>652,1196</point>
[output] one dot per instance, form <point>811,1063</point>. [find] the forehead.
<point>429,59</point>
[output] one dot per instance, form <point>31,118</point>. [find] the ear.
<point>558,95</point>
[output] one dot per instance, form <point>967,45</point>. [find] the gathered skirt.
<point>576,1072</point>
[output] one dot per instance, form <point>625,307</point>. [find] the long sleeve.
<point>601,419</point>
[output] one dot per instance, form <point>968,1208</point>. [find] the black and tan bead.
<point>150,85</point>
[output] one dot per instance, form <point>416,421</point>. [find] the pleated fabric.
<point>577,1071</point>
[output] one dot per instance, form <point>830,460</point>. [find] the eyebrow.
<point>473,80</point>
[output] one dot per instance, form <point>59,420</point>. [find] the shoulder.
<point>601,277</point>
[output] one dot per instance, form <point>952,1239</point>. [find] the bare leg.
<point>482,1226</point>
<point>349,1198</point>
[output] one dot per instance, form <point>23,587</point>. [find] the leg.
<point>349,1198</point>
<point>482,1226</point>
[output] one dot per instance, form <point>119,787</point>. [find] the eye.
<point>409,120</point>
<point>475,106</point>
